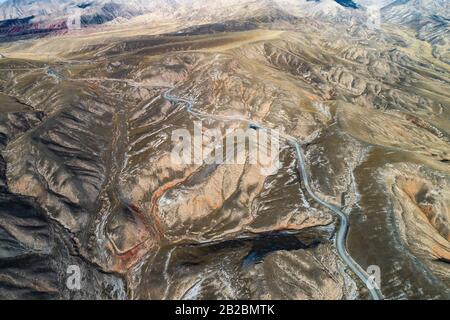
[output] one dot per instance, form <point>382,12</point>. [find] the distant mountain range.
<point>35,17</point>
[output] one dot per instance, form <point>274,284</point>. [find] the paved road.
<point>341,235</point>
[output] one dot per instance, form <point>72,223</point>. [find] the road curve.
<point>341,234</point>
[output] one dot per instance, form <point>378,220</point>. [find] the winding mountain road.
<point>341,234</point>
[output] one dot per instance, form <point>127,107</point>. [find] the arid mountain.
<point>54,9</point>
<point>430,19</point>
<point>414,11</point>
<point>20,18</point>
<point>43,16</point>
<point>87,122</point>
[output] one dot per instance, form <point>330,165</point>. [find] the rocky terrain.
<point>87,179</point>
